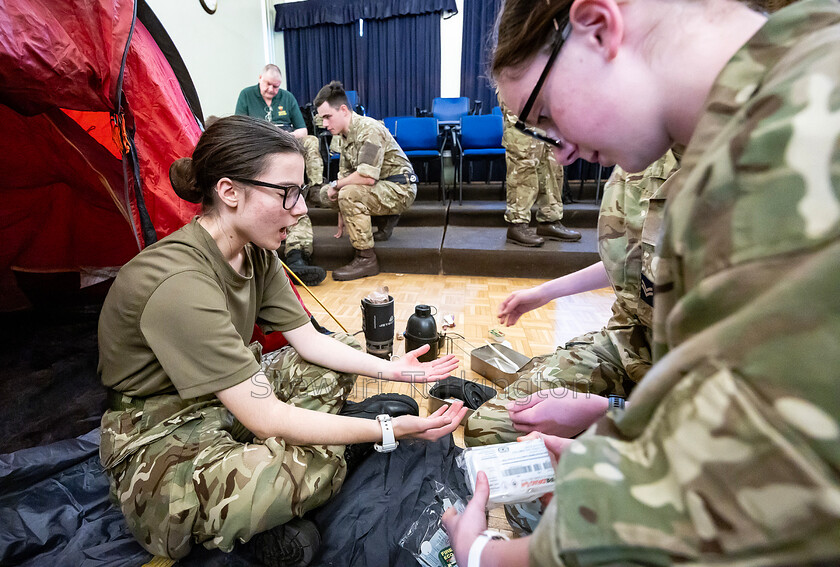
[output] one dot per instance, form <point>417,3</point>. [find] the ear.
<point>601,23</point>
<point>229,194</point>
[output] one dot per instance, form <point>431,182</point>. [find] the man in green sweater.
<point>266,100</point>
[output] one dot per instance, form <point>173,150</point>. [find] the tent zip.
<point>147,229</point>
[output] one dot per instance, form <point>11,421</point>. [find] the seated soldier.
<point>375,178</point>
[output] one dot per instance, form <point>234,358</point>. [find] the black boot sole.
<point>518,243</point>
<point>293,544</point>
<point>310,275</point>
<point>559,238</point>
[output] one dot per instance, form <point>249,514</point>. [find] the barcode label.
<point>518,470</point>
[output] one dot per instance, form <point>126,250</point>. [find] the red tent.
<point>95,104</point>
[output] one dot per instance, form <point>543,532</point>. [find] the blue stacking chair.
<point>419,139</point>
<point>481,138</point>
<point>449,111</point>
<point>391,123</point>
<point>496,110</point>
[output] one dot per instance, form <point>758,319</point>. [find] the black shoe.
<point>293,544</point>
<point>388,224</point>
<point>300,263</point>
<point>392,404</point>
<point>471,393</point>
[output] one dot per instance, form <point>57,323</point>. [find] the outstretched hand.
<point>558,411</point>
<point>464,528</point>
<point>437,425</point>
<point>520,302</point>
<point>409,369</point>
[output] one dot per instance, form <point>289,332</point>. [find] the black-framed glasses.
<point>555,50</point>
<point>290,195</point>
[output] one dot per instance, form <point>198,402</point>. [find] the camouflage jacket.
<point>629,225</point>
<point>370,149</point>
<point>729,451</point>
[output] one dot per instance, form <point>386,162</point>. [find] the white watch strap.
<point>389,442</point>
<point>474,558</point>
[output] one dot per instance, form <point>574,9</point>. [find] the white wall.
<point>451,34</point>
<point>224,52</point>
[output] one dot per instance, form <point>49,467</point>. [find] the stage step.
<point>469,238</point>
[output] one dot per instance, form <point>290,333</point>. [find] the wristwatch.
<point>615,402</point>
<point>389,442</point>
<point>334,184</point>
<point>474,558</point>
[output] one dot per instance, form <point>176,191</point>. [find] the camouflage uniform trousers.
<point>300,236</point>
<point>533,176</point>
<point>314,161</point>
<point>357,203</point>
<point>186,471</point>
<point>609,361</point>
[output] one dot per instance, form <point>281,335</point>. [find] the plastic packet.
<point>516,472</point>
<point>426,539</point>
<point>379,295</point>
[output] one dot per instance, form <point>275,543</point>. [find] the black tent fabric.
<point>381,499</point>
<point>55,510</point>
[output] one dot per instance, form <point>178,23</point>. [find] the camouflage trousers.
<point>357,203</point>
<point>300,236</point>
<point>609,361</point>
<point>314,161</point>
<point>533,176</point>
<point>186,471</point>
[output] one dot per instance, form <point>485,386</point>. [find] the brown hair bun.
<point>182,178</point>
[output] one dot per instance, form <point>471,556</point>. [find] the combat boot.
<point>384,232</point>
<point>299,262</point>
<point>364,264</point>
<point>293,544</point>
<point>518,233</point>
<point>556,231</point>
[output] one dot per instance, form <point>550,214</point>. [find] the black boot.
<point>392,404</point>
<point>388,224</point>
<point>299,262</point>
<point>294,544</point>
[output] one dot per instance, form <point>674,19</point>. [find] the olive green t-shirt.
<point>179,318</point>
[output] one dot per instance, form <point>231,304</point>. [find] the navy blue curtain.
<point>317,12</point>
<point>394,65</point>
<point>403,64</point>
<point>479,19</point>
<point>317,55</point>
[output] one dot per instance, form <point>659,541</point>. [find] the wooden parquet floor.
<point>473,301</point>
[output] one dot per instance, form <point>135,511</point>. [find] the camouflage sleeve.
<point>730,443</point>
<point>371,153</point>
<point>730,446</point>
